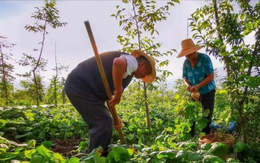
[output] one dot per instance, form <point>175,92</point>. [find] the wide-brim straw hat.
<point>148,78</point>
<point>188,47</point>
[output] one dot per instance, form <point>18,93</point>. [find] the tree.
<point>6,69</point>
<point>45,16</point>
<point>223,32</point>
<point>138,22</point>
<point>23,97</point>
<point>56,86</point>
<point>33,84</point>
<point>63,94</point>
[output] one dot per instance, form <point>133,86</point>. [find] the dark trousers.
<point>207,101</point>
<point>95,114</point>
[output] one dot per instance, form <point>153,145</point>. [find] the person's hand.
<point>116,98</point>
<point>119,126</point>
<point>196,96</point>
<point>194,89</point>
<point>188,88</point>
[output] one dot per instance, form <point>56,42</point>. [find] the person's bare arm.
<point>188,84</point>
<point>119,68</point>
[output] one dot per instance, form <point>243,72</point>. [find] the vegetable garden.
<point>156,119</point>
<point>40,135</point>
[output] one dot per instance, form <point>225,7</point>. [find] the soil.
<point>67,148</point>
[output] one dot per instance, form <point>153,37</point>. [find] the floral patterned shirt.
<point>199,72</point>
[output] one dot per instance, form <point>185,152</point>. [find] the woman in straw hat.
<point>85,89</point>
<point>198,75</point>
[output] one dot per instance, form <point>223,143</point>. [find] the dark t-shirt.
<point>86,80</point>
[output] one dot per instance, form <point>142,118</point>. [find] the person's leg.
<point>207,102</point>
<point>98,118</point>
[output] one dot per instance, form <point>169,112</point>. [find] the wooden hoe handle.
<point>104,79</point>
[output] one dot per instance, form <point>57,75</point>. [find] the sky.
<point>72,42</point>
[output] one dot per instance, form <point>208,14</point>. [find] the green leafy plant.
<point>48,15</point>
<point>223,32</point>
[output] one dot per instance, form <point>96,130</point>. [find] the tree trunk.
<point>226,59</point>
<point>4,77</point>
<point>145,92</point>
<point>38,63</point>
<point>55,79</point>
<point>36,88</point>
<point>55,91</point>
<point>63,92</point>
<point>146,105</point>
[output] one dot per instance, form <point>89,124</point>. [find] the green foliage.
<point>222,106</point>
<point>44,16</point>
<point>83,147</point>
<point>48,15</point>
<point>94,156</point>
<point>167,140</point>
<point>33,83</point>
<point>139,25</point>
<point>6,72</point>
<point>23,97</point>
<point>119,154</point>
<point>27,95</point>
<point>240,146</point>
<point>11,150</point>
<point>224,32</point>
<point>218,149</point>
<point>212,159</point>
<point>54,92</point>
<point>171,111</point>
<point>206,146</point>
<point>139,22</point>
<point>41,124</point>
